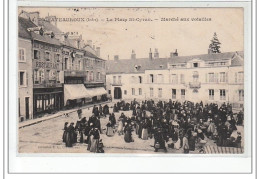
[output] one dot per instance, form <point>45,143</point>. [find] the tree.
<point>215,44</point>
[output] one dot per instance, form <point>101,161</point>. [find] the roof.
<point>45,38</point>
<point>128,65</point>
<point>48,26</point>
<point>23,25</point>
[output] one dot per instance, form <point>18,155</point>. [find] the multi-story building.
<point>55,69</point>
<point>25,82</point>
<point>209,78</point>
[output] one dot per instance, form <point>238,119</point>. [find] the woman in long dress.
<point>95,141</point>
<point>109,131</point>
<point>120,127</point>
<point>70,135</point>
<point>145,130</point>
<point>128,133</point>
<point>65,132</point>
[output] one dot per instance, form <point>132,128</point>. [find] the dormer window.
<point>195,65</point>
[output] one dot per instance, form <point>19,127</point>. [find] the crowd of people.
<point>186,125</point>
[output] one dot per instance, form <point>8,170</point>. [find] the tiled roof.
<point>23,24</point>
<point>45,38</point>
<point>48,26</point>
<point>128,65</point>
<point>237,61</point>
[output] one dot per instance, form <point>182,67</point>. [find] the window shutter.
<point>226,77</point>
<point>26,79</point>
<point>155,79</point>
<point>216,77</point>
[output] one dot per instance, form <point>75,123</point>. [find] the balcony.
<point>74,73</point>
<point>195,85</point>
<point>47,84</point>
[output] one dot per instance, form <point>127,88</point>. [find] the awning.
<point>96,91</point>
<point>75,91</point>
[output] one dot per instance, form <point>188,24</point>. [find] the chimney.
<point>89,42</point>
<point>34,17</point>
<point>150,54</point>
<point>174,54</point>
<point>116,57</point>
<point>98,51</point>
<point>133,55</point>
<point>156,53</point>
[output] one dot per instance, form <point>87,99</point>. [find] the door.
<point>27,107</point>
<point>117,93</point>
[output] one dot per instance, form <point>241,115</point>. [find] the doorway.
<point>27,107</point>
<point>117,93</point>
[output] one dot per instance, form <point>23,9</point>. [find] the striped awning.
<point>222,150</point>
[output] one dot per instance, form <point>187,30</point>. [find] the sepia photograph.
<point>130,80</point>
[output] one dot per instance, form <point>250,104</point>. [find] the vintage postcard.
<point>131,80</point>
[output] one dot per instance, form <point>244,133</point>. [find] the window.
<point>140,91</point>
<point>240,77</point>
<point>160,78</point>
<point>151,92</point>
<point>109,91</point>
<point>114,79</point>
<point>80,66</point>
<point>125,92</point>
<point>159,92</point>
<point>21,54</point>
<point>91,76</point>
<point>36,54</point>
<point>211,94</point>
<point>174,78</point>
<point>22,78</point>
<point>195,65</point>
<point>182,93</point>
<point>57,57</point>
<point>151,80</point>
<point>66,64</point>
<point>173,93</point>
<point>58,77</point>
<point>133,91</point>
<point>222,94</point>
<point>48,74</point>
<point>41,75</point>
<point>133,79</point>
<point>119,79</point>
<point>241,95</point>
<point>211,77</point>
<point>140,79</point>
<point>222,76</point>
<point>47,56</point>
<point>182,79</point>
<point>99,76</point>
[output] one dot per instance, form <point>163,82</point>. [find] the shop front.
<point>47,100</point>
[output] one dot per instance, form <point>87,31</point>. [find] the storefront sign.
<point>50,65</point>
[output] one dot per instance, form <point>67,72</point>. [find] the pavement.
<point>44,135</point>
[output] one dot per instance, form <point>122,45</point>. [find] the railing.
<point>75,73</point>
<point>194,84</point>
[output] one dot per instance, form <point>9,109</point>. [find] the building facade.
<point>208,78</point>
<point>56,69</point>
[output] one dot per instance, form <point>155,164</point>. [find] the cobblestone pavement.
<point>46,137</point>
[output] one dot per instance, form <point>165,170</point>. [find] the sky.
<point>120,37</point>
